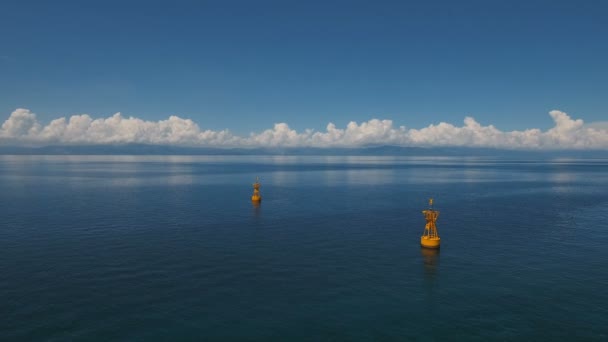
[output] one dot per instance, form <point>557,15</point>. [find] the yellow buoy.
<point>430,237</point>
<point>256,197</point>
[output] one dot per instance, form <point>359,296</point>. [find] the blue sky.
<point>245,65</point>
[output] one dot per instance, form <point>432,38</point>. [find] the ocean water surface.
<point>140,248</point>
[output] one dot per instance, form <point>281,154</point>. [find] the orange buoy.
<point>430,237</point>
<point>256,197</point>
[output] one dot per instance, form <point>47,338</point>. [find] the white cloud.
<point>21,123</point>
<point>22,127</point>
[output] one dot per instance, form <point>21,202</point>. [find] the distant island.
<point>143,149</point>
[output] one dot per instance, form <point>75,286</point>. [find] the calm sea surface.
<point>140,248</point>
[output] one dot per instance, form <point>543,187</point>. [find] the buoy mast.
<point>430,237</point>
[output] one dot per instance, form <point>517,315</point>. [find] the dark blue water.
<point>171,248</point>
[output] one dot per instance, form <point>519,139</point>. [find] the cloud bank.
<point>23,128</point>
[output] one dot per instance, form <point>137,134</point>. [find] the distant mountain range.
<point>139,149</point>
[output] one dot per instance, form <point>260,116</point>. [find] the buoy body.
<point>256,197</point>
<point>430,237</point>
<point>430,242</point>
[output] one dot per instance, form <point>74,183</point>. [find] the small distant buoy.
<point>256,197</point>
<point>430,237</point>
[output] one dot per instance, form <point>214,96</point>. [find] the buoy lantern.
<point>430,237</point>
<point>256,197</point>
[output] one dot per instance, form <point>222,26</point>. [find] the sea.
<point>171,248</point>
